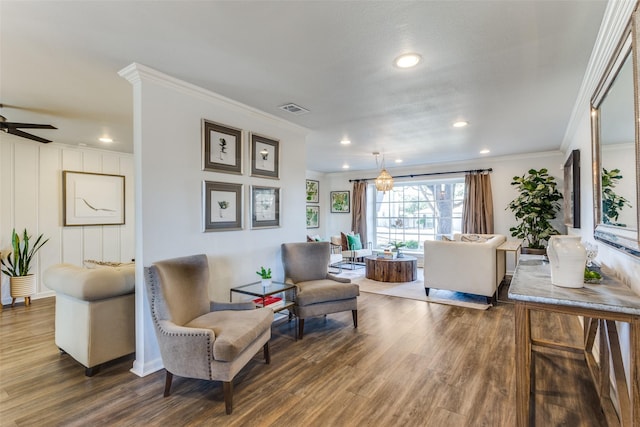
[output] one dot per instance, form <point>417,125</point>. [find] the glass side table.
<point>263,293</point>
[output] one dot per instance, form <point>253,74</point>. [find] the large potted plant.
<point>535,207</point>
<point>18,264</point>
<point>612,203</point>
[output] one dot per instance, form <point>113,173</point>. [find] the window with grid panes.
<point>417,211</point>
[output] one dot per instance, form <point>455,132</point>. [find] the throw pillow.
<point>474,238</point>
<point>344,242</point>
<point>91,263</point>
<point>447,239</point>
<point>354,242</point>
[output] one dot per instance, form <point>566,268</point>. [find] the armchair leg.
<point>300,328</point>
<point>267,355</point>
<point>354,314</point>
<point>427,291</point>
<point>227,387</point>
<point>167,384</point>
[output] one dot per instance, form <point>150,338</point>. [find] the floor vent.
<point>294,109</point>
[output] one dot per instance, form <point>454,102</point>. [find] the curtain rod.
<point>427,174</point>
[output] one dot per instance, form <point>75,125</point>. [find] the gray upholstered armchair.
<point>318,291</point>
<point>199,338</point>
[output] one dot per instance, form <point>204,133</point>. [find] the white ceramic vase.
<point>567,257</point>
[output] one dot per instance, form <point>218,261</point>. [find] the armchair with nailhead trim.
<point>199,338</point>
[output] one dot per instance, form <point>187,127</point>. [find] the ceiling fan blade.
<point>27,135</point>
<point>10,125</point>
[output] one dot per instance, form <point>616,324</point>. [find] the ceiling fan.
<point>14,129</point>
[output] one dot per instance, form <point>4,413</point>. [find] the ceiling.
<point>512,69</point>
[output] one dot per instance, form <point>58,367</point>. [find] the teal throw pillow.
<point>354,242</point>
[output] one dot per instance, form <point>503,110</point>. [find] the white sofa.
<point>95,312</point>
<point>471,266</point>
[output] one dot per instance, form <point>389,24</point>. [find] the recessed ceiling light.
<point>460,124</point>
<point>485,151</point>
<point>345,166</point>
<point>398,160</point>
<point>345,142</point>
<point>407,60</point>
<point>105,139</point>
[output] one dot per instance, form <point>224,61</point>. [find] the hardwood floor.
<point>409,363</point>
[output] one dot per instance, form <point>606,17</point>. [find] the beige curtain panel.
<point>359,210</point>
<point>477,216</point>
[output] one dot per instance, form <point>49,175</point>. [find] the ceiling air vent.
<point>294,109</point>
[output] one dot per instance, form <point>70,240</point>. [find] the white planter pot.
<point>266,282</point>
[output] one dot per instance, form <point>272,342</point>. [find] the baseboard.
<point>144,369</point>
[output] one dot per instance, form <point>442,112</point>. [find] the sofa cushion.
<point>234,330</point>
<point>317,291</point>
<point>90,284</point>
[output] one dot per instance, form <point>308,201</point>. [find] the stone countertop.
<point>531,282</point>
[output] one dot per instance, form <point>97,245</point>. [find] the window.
<point>417,211</point>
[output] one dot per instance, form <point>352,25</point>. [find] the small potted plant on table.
<point>265,275</point>
<point>18,264</point>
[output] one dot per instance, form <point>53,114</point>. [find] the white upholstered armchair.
<point>472,266</point>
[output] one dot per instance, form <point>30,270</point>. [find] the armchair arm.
<point>185,351</point>
<point>338,279</point>
<point>219,306</point>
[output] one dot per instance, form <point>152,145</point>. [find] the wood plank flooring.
<point>409,363</point>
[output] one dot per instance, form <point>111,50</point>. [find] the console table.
<point>601,305</point>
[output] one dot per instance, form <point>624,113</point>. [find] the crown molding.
<point>135,73</point>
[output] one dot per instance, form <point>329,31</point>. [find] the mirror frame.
<point>624,239</point>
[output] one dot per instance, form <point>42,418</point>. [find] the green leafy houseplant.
<point>18,263</point>
<point>611,202</point>
<point>536,205</point>
<point>264,273</point>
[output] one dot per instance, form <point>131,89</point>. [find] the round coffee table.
<point>403,269</point>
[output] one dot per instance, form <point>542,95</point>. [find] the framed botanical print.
<point>313,190</point>
<point>265,159</point>
<point>313,216</point>
<point>92,199</point>
<point>221,148</point>
<point>340,202</point>
<point>265,207</point>
<point>222,206</point>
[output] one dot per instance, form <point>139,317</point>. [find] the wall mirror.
<point>616,150</point>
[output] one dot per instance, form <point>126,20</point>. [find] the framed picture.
<point>222,206</point>
<point>264,157</point>
<point>340,202</point>
<point>265,207</point>
<point>313,216</point>
<point>221,148</point>
<point>92,199</point>
<point>313,190</point>
<point>572,190</point>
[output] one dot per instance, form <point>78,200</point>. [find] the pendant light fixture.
<point>384,181</point>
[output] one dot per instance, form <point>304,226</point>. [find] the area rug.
<point>415,290</point>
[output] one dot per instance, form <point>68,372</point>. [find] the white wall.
<point>169,175</point>
<point>31,198</point>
